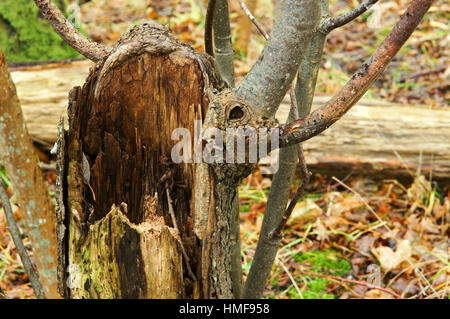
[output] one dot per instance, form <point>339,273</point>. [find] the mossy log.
<point>116,235</point>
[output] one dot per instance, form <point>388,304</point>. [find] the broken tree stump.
<point>120,241</point>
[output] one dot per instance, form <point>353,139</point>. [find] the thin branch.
<point>333,110</point>
<point>209,48</point>
<point>332,23</point>
<point>175,225</point>
<point>90,49</point>
<point>356,282</point>
<point>15,234</point>
<point>277,233</point>
<point>382,222</point>
<point>291,278</point>
<point>253,19</point>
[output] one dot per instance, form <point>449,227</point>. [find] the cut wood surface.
<point>375,137</point>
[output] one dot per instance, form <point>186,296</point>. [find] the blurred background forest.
<point>348,233</point>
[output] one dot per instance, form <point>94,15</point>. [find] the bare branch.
<point>15,234</point>
<point>253,19</point>
<point>90,49</point>
<point>356,282</point>
<point>332,23</point>
<point>273,223</point>
<point>301,158</point>
<point>333,110</point>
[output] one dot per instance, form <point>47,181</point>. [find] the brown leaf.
<point>389,259</point>
<point>306,210</point>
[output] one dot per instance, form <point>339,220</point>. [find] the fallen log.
<point>375,138</point>
<point>382,140</point>
<point>43,90</point>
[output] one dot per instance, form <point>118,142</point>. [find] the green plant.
<point>324,262</point>
<point>24,37</point>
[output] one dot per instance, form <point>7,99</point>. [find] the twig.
<point>175,225</point>
<point>423,73</point>
<point>90,49</point>
<point>209,27</point>
<point>223,46</point>
<point>332,23</point>
<point>364,202</point>
<point>357,282</point>
<point>290,277</point>
<point>15,234</point>
<point>253,19</point>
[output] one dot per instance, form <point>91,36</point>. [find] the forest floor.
<point>349,238</point>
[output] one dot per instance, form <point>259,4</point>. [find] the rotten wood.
<point>121,233</point>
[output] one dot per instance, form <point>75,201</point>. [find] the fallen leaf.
<point>306,210</point>
<point>378,294</point>
<point>389,259</point>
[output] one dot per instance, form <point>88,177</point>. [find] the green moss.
<point>325,262</point>
<point>25,36</point>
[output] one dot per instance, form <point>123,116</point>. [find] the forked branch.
<point>265,86</point>
<point>92,50</point>
<point>301,158</point>
<point>332,23</point>
<point>359,83</point>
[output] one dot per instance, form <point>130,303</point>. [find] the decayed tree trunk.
<point>113,173</point>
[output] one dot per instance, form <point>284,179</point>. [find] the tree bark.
<point>20,161</point>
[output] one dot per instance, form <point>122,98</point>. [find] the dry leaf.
<point>306,210</point>
<point>347,204</point>
<point>389,259</point>
<point>377,294</point>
